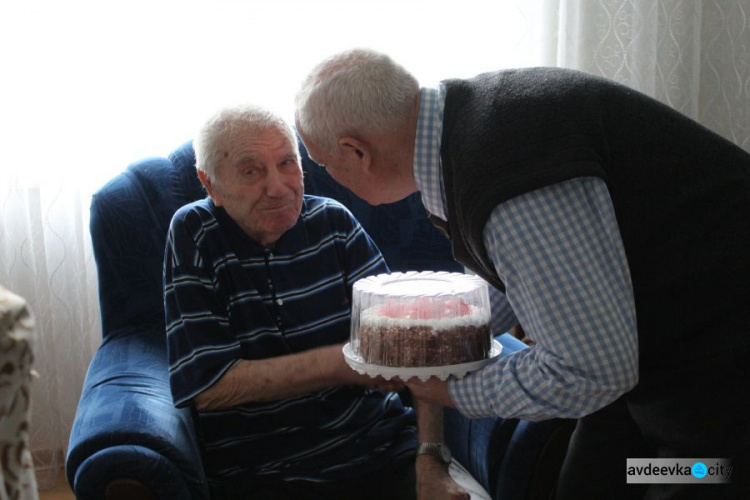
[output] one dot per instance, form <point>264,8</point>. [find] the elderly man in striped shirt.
<point>258,280</point>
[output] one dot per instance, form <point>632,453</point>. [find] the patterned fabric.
<point>427,152</point>
<point>599,340</point>
<point>228,298</point>
<point>556,317</point>
<point>16,357</point>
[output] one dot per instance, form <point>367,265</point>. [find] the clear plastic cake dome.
<point>420,319</point>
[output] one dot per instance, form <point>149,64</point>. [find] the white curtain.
<point>45,256</point>
<point>691,54</point>
<point>87,87</point>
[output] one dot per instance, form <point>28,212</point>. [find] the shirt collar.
<point>427,170</point>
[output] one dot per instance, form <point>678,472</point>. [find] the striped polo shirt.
<point>228,298</point>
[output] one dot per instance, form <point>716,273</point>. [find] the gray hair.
<point>358,91</point>
<point>210,144</point>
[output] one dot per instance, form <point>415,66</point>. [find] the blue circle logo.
<point>699,470</point>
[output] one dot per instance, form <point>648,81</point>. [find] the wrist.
<point>437,451</point>
<point>332,358</point>
<point>428,464</point>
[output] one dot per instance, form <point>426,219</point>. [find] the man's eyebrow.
<point>244,160</point>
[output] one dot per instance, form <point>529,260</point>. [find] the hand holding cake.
<point>433,390</point>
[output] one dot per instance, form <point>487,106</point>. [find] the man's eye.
<point>249,171</point>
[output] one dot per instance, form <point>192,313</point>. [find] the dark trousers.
<point>395,481</point>
<point>691,412</point>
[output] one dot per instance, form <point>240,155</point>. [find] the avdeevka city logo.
<point>699,470</point>
<point>678,470</point>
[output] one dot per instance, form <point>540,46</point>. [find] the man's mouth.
<point>277,207</point>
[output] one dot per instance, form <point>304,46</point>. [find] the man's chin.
<point>282,225</point>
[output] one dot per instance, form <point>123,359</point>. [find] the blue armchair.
<point>129,441</point>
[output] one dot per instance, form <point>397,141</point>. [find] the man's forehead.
<point>255,143</point>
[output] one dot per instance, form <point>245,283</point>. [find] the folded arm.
<point>285,377</point>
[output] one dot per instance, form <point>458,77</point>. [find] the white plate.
<point>422,372</point>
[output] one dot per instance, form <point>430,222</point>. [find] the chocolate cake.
<point>421,320</point>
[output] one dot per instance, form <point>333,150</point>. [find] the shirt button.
<point>280,302</point>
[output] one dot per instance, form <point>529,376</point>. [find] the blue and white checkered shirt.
<point>559,252</point>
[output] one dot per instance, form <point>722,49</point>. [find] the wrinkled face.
<point>259,184</point>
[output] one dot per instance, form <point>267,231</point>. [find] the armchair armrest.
<point>127,429</point>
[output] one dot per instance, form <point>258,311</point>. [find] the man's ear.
<point>208,184</point>
<point>356,150</point>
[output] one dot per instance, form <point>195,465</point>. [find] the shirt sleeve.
<point>559,252</point>
<point>199,344</point>
<point>503,317</point>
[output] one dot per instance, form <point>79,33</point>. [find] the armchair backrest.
<point>130,218</point>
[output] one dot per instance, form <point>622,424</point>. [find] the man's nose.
<point>274,183</point>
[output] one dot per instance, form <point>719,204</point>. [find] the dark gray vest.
<point>681,193</point>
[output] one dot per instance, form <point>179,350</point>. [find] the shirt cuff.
<point>468,396</point>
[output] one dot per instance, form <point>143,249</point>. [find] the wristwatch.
<point>439,450</point>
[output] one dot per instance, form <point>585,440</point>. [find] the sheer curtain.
<point>88,87</point>
<point>691,54</point>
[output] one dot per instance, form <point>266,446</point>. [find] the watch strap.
<point>439,450</point>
